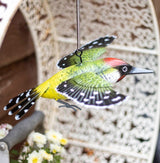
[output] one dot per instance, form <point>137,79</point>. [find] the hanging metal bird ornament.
<point>83,79</point>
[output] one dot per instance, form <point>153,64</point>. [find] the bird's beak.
<point>136,70</point>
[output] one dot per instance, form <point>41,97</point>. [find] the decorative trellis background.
<point>127,133</point>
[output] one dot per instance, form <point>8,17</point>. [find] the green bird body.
<point>83,79</point>
<point>83,71</point>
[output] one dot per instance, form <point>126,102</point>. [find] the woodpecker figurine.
<point>83,79</point>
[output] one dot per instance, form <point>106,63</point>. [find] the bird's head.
<point>124,68</point>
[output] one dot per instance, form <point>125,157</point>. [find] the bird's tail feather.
<point>22,103</point>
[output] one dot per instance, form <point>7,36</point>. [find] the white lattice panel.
<point>7,10</point>
<point>131,20</point>
<point>126,133</point>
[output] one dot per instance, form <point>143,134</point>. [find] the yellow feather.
<point>48,88</point>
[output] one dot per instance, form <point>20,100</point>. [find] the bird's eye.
<point>124,68</point>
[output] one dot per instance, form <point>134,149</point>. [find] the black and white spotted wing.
<point>100,42</point>
<point>96,93</point>
<point>89,52</point>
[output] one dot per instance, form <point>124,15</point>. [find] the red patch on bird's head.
<point>114,62</point>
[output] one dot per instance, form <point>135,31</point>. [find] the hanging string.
<point>78,52</point>
<point>78,22</point>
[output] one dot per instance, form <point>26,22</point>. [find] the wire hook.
<point>79,55</point>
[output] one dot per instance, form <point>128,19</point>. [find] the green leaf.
<point>57,159</point>
<point>13,161</point>
<point>15,152</point>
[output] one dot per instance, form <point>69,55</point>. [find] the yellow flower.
<point>45,155</point>
<point>63,141</point>
<point>34,157</point>
<point>39,139</point>
<point>53,136</point>
<point>55,148</point>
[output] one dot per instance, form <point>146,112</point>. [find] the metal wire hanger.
<point>78,51</point>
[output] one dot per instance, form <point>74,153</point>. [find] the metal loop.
<point>79,55</point>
